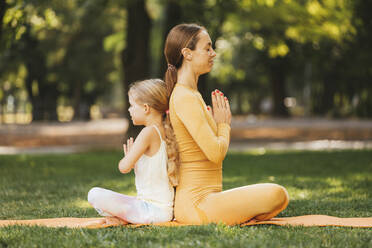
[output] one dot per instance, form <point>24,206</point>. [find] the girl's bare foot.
<point>115,221</point>
<point>94,223</point>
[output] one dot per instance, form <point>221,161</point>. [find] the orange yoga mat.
<point>305,220</point>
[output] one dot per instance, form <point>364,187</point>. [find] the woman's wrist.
<point>223,125</point>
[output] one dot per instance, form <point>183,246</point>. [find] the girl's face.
<point>137,112</point>
<point>203,55</point>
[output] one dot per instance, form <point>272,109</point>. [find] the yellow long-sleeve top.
<point>198,136</point>
<point>202,147</point>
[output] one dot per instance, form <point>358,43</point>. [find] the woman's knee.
<point>279,195</point>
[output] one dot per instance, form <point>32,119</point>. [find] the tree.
<point>136,56</point>
<point>279,32</point>
<point>173,17</point>
<point>61,45</point>
<point>359,58</point>
<point>85,66</point>
<point>23,47</point>
<point>3,7</point>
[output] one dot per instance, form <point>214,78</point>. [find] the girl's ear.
<point>187,54</point>
<point>147,108</point>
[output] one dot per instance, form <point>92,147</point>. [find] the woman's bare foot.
<point>252,221</point>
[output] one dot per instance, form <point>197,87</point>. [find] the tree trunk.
<point>44,103</point>
<point>327,96</point>
<point>37,112</point>
<point>136,56</point>
<point>3,7</point>
<point>77,100</point>
<point>239,109</point>
<point>277,78</point>
<point>277,86</point>
<point>173,16</point>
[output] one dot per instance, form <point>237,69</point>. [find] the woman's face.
<point>203,55</point>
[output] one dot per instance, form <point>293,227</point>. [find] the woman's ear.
<point>187,54</point>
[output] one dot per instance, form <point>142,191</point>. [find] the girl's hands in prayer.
<point>127,147</point>
<point>221,108</point>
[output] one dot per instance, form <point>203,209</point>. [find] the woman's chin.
<point>207,69</point>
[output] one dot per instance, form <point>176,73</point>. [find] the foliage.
<point>58,44</point>
<point>271,45</point>
<point>70,53</point>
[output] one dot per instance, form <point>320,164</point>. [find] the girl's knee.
<point>93,193</point>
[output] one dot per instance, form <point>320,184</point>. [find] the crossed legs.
<point>112,204</point>
<point>235,206</point>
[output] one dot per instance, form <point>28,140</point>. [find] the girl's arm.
<point>135,151</point>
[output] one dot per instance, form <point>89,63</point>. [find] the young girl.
<point>154,157</point>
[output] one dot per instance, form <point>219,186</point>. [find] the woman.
<point>203,136</point>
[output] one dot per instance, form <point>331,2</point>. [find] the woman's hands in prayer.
<point>220,108</point>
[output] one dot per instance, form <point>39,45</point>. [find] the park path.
<point>247,133</point>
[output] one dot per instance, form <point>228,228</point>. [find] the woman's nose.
<point>213,53</point>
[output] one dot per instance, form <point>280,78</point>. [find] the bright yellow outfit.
<point>202,146</point>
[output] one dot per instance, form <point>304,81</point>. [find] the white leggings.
<point>128,208</point>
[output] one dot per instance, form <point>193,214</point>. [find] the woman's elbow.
<point>216,158</point>
<point>218,155</point>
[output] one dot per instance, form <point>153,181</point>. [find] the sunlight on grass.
<point>298,194</point>
<point>256,152</point>
<point>334,182</point>
<point>335,185</point>
<point>329,188</point>
<point>81,204</point>
<point>360,176</point>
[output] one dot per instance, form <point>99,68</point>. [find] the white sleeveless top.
<point>151,178</point>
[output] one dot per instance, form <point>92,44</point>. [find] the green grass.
<point>43,186</point>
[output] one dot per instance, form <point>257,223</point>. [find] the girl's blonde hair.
<point>154,93</point>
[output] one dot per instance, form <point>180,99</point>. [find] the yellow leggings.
<point>235,206</point>
<point>200,199</point>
